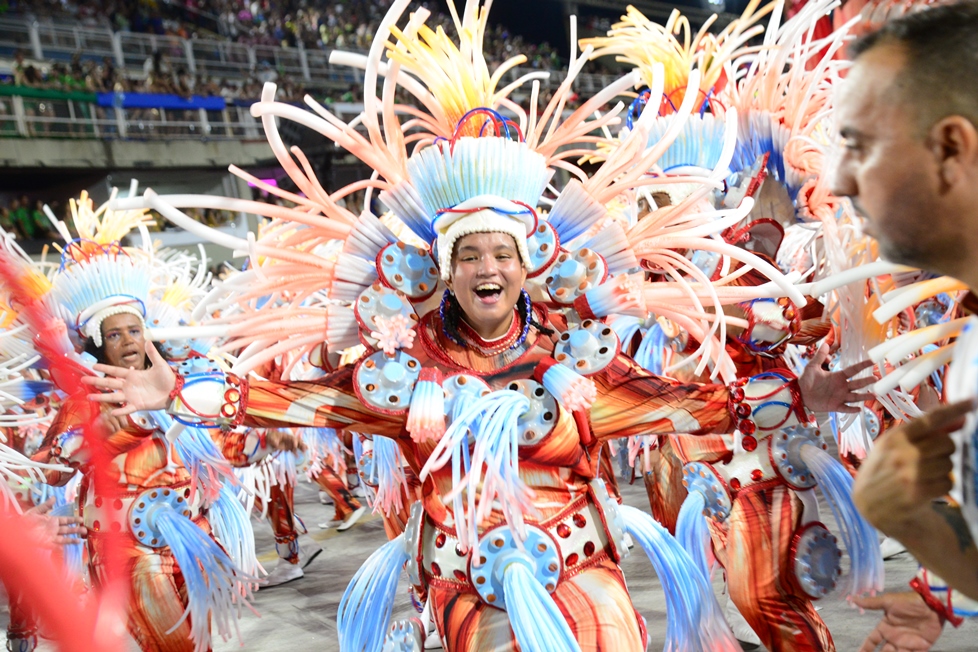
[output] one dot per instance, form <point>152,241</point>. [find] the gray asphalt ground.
<point>301,616</point>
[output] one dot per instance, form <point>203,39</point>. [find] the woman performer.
<point>517,543</point>
<point>170,494</point>
<point>488,335</point>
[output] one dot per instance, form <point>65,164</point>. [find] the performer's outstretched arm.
<point>328,402</point>
<point>631,401</point>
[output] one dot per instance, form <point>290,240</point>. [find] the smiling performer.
<point>498,402</point>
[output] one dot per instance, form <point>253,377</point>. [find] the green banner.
<point>47,93</point>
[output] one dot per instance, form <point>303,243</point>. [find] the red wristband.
<point>178,382</point>
<point>944,612</point>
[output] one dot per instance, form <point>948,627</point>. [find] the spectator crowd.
<point>25,218</point>
<point>159,76</point>
<point>348,24</point>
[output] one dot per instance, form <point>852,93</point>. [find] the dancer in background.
<point>171,493</point>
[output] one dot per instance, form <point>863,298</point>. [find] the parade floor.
<point>301,616</point>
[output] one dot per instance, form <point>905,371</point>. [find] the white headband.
<point>93,327</point>
<point>482,214</point>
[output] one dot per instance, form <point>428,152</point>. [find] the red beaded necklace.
<point>496,346</point>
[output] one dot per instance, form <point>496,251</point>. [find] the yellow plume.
<point>179,295</point>
<point>457,76</point>
<point>102,225</point>
<point>639,42</point>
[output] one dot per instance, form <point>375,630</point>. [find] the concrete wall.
<point>131,154</point>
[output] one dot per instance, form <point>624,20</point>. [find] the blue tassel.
<point>694,621</point>
<point>860,538</point>
<point>215,588</point>
<point>463,401</point>
<point>357,451</point>
<point>255,483</point>
<point>692,531</point>
<point>232,528</point>
<point>538,624</point>
<point>698,144</point>
<point>370,480</point>
<point>27,390</point>
<point>319,437</point>
<point>759,141</point>
<point>426,416</point>
<point>207,466</point>
<point>572,390</point>
<point>649,354</point>
<point>391,481</point>
<point>364,615</point>
<point>625,327</point>
<point>492,420</point>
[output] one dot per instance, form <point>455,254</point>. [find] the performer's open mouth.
<point>130,357</point>
<point>489,293</point>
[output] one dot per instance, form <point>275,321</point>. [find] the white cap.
<point>482,214</point>
<point>91,326</point>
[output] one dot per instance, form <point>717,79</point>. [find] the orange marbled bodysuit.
<point>591,593</point>
<point>142,459</point>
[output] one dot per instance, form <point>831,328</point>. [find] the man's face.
<point>487,277</point>
<point>122,341</point>
<point>888,168</point>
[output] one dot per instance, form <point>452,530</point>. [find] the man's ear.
<point>954,141</point>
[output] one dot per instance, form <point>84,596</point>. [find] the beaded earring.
<point>528,307</point>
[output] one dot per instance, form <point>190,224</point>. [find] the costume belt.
<point>560,547</point>
<point>775,459</point>
<point>133,511</point>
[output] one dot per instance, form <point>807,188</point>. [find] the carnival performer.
<point>170,490</point>
<point>329,472</point>
<point>765,511</point>
<point>277,505</point>
<point>515,544</point>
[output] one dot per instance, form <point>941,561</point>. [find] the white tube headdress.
<point>98,281</point>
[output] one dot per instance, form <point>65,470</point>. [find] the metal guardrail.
<point>135,49</point>
<point>223,59</point>
<point>43,117</point>
<point>29,117</point>
<point>32,117</point>
<point>129,51</point>
<point>61,42</point>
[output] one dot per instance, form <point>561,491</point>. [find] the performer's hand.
<point>908,468</point>
<point>62,530</point>
<point>285,440</point>
<point>833,391</point>
<point>908,624</point>
<point>132,389</point>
